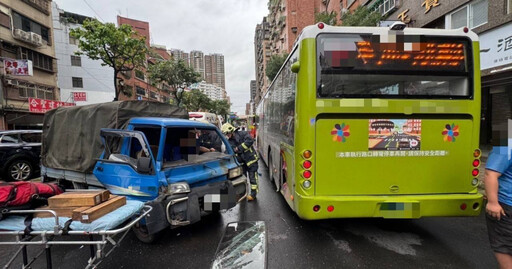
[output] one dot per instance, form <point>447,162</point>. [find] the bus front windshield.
<point>409,66</point>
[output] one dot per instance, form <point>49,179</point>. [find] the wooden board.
<point>78,199</point>
<point>105,194</point>
<point>102,209</point>
<point>77,212</point>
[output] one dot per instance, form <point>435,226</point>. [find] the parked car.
<point>20,152</point>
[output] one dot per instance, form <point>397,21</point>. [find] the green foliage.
<point>362,16</point>
<point>176,74</point>
<point>274,64</point>
<point>118,47</point>
<point>328,18</point>
<point>220,107</point>
<point>195,100</point>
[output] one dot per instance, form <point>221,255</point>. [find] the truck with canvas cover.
<point>157,160</point>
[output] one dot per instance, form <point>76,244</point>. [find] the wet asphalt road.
<point>295,243</point>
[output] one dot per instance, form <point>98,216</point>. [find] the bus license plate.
<point>393,210</point>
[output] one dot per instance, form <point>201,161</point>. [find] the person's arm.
<point>248,141</point>
<point>493,207</point>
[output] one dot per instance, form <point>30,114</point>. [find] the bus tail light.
<point>477,153</point>
<point>306,164</point>
<point>330,208</point>
<point>463,206</point>
<point>316,208</point>
<point>307,154</point>
<point>474,182</point>
<point>306,184</point>
<point>321,26</point>
<point>475,172</point>
<point>307,174</point>
<point>476,163</point>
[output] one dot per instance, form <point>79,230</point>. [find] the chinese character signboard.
<point>80,96</point>
<point>498,42</point>
<point>41,105</point>
<point>18,67</point>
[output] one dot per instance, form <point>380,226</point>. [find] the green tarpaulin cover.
<point>71,135</point>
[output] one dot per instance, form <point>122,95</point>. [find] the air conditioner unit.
<point>36,39</point>
<point>20,34</point>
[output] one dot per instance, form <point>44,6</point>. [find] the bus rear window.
<point>409,66</point>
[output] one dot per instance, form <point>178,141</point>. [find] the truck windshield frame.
<point>412,67</point>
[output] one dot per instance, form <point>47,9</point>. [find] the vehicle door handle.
<point>100,168</point>
<point>27,147</point>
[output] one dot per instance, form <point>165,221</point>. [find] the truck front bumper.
<point>185,209</point>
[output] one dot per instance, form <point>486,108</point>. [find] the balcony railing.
<point>41,5</point>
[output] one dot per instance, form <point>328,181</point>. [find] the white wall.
<point>98,81</point>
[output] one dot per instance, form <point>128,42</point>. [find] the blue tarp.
<point>108,222</point>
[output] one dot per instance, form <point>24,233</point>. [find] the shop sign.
<point>496,47</point>
<point>37,105</point>
<point>15,67</point>
<point>80,96</point>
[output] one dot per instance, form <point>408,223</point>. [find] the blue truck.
<point>157,160</point>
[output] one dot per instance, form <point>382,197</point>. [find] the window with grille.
<point>39,60</point>
<point>76,60</point>
<point>27,25</point>
<point>139,74</point>
<point>72,40</point>
<point>140,90</point>
<point>472,15</point>
<point>77,82</point>
<point>153,95</point>
<point>5,20</point>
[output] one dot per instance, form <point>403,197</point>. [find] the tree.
<point>326,17</point>
<point>274,64</point>
<point>362,16</point>
<point>118,47</point>
<point>220,107</point>
<point>195,100</point>
<point>175,74</point>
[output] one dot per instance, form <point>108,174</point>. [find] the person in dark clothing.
<point>209,141</point>
<point>241,142</point>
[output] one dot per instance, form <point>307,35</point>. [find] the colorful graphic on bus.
<point>396,134</point>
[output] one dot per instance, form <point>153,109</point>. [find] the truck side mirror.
<point>144,165</point>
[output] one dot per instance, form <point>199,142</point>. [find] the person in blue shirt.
<point>498,189</point>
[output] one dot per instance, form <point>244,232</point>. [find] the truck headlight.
<point>235,172</point>
<point>179,187</point>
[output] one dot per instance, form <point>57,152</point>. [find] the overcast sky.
<point>211,26</point>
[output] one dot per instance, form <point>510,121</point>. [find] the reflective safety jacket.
<point>245,153</point>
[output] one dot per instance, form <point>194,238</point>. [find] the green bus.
<point>375,122</point>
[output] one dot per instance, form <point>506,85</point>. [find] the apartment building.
<point>137,81</point>
<point>28,83</point>
<point>81,80</point>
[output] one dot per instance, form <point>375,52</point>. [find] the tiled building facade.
<point>26,33</point>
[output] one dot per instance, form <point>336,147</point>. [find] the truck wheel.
<point>141,232</point>
<point>19,170</point>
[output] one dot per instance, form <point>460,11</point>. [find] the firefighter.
<point>241,142</point>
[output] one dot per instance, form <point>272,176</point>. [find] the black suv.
<point>20,152</point>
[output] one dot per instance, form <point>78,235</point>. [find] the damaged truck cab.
<point>163,162</point>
